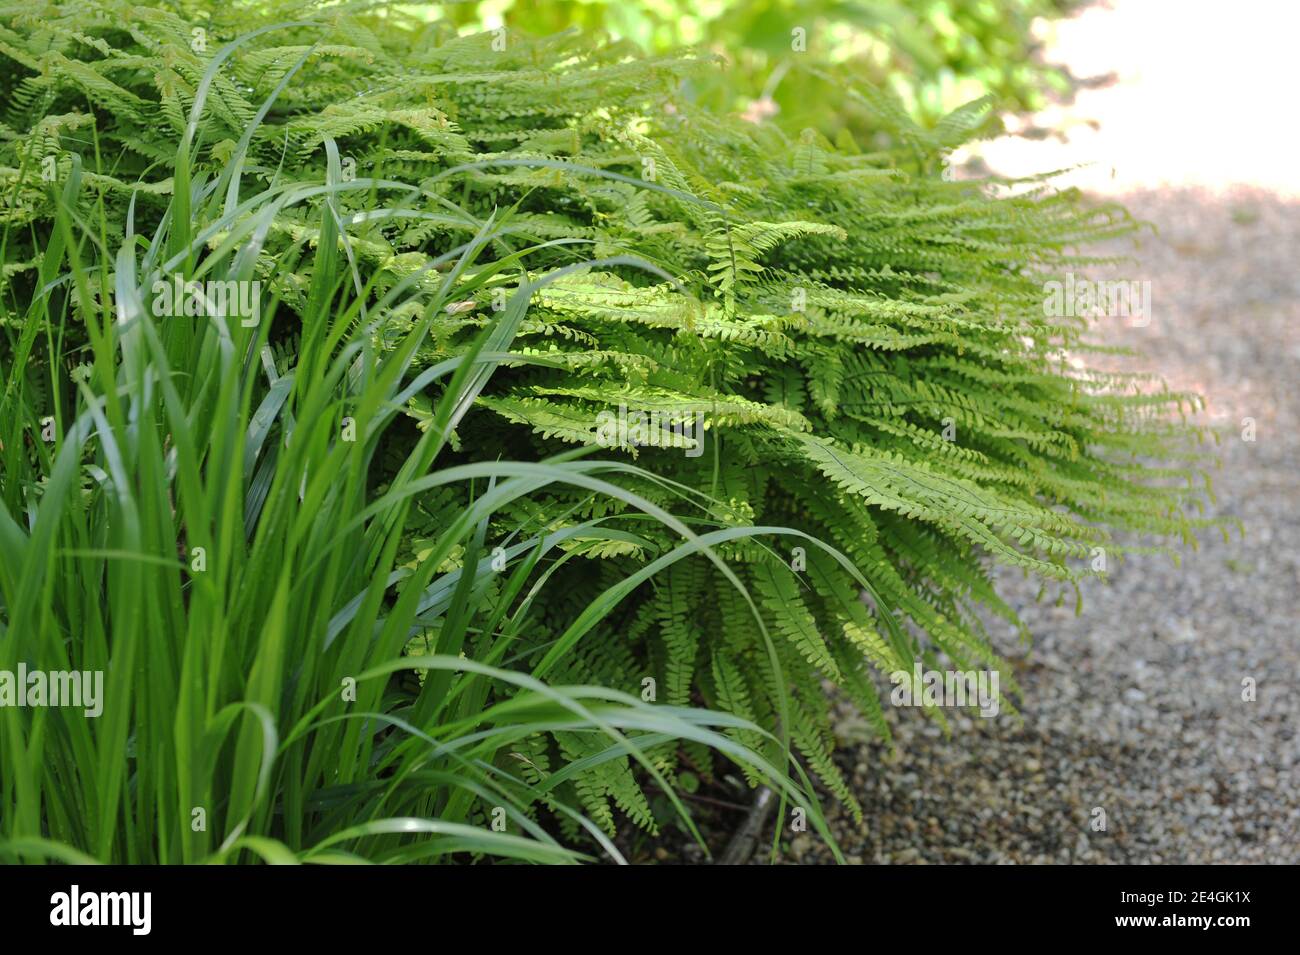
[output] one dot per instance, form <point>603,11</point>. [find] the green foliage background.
<point>933,54</point>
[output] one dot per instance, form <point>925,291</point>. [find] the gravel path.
<point>1135,706</point>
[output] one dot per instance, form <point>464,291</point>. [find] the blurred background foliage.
<point>934,54</point>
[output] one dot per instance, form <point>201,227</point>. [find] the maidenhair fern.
<point>865,341</point>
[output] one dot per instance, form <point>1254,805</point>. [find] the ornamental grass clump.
<point>204,571</point>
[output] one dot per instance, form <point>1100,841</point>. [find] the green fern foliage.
<point>863,341</point>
